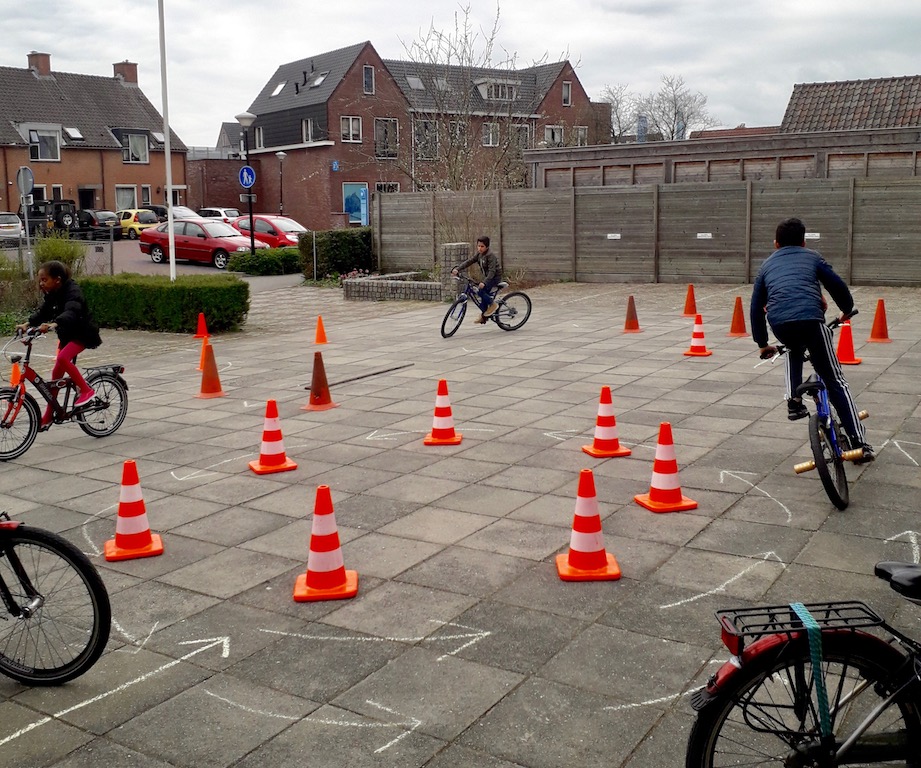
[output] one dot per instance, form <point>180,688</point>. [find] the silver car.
<point>12,230</point>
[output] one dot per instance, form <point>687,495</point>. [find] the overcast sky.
<point>744,56</point>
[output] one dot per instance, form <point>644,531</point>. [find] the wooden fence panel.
<point>461,217</point>
<point>887,233</point>
<point>615,235</point>
<point>537,233</point>
<point>405,238</point>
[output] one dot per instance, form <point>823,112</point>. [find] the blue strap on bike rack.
<point>814,634</point>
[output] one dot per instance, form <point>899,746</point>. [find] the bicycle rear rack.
<point>779,619</point>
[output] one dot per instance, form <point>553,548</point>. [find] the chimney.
<point>126,71</point>
<point>40,63</point>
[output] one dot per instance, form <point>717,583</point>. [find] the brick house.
<point>96,140</point>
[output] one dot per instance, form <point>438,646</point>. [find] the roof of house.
<point>92,104</point>
<point>231,135</point>
<point>741,130</point>
<point>856,105</point>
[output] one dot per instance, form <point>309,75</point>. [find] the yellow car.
<point>136,220</point>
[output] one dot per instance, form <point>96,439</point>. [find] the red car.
<point>275,231</point>
<point>203,240</point>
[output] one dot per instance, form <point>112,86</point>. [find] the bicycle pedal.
<point>856,453</point>
<point>805,466</point>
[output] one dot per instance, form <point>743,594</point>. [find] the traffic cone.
<point>443,423</point>
<point>210,381</point>
<point>606,443</point>
<point>202,332</point>
<point>320,399</point>
<point>201,359</point>
<point>133,538</point>
<point>664,490</point>
<point>846,346</point>
<point>321,331</point>
<point>690,305</point>
<point>272,456</point>
<point>587,559</point>
<point>880,332</point>
<point>737,328</point>
<point>15,375</point>
<point>326,577</point>
<point>631,325</point>
<point>698,345</point>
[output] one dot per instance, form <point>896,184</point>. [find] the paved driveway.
<point>462,646</point>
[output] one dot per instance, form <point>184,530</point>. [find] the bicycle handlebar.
<point>781,349</point>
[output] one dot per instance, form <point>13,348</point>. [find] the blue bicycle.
<point>513,311</point>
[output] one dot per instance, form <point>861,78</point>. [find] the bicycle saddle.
<point>904,578</point>
<point>810,386</point>
<point>501,285</point>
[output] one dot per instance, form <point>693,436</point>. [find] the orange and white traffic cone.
<point>664,490</point>
<point>210,380</point>
<point>272,456</point>
<point>606,443</point>
<point>631,324</point>
<point>320,337</point>
<point>690,304</point>
<point>846,346</point>
<point>880,330</point>
<point>320,397</point>
<point>698,345</point>
<point>202,332</point>
<point>443,423</point>
<point>133,538</point>
<point>737,328</point>
<point>326,577</point>
<point>587,559</point>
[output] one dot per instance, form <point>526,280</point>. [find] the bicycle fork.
<point>851,455</point>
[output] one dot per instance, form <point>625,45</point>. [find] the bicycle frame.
<point>49,390</point>
<point>16,610</point>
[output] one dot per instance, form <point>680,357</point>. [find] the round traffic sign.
<point>25,181</point>
<point>247,176</point>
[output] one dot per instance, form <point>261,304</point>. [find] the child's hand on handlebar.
<point>766,353</point>
<point>45,327</point>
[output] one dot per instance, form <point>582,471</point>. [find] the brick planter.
<point>396,287</point>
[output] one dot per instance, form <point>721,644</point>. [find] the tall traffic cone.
<point>846,346</point>
<point>133,538</point>
<point>202,332</point>
<point>606,443</point>
<point>210,381</point>
<point>664,490</point>
<point>320,399</point>
<point>326,577</point>
<point>698,345</point>
<point>880,331</point>
<point>690,305</point>
<point>631,324</point>
<point>201,358</point>
<point>321,331</point>
<point>15,375</point>
<point>587,559</point>
<point>738,320</point>
<point>272,456</point>
<point>443,423</point>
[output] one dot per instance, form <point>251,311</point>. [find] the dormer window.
<point>279,87</point>
<point>318,80</point>
<point>44,144</point>
<point>498,90</point>
<point>135,148</point>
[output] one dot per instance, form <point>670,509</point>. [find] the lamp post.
<point>281,182</point>
<point>246,119</point>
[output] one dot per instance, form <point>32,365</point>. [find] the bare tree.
<point>673,111</point>
<point>623,111</point>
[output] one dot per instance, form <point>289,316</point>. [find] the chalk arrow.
<point>765,556</point>
<point>898,444</point>
<point>561,434</point>
<point>736,474</point>
<point>411,722</point>
<point>912,538</point>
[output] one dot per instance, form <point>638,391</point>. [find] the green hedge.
<point>153,303</point>
<point>274,261</point>
<point>338,251</point>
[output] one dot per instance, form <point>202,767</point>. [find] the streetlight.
<point>281,183</point>
<point>246,119</point>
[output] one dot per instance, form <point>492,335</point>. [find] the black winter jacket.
<point>67,307</point>
<point>488,263</point>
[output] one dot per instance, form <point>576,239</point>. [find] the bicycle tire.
<point>829,465</point>
<point>68,632</point>
<point>768,709</point>
<point>17,438</point>
<point>513,312</point>
<point>108,410</point>
<point>454,317</point>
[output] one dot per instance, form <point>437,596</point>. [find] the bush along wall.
<point>338,251</point>
<point>153,303</point>
<point>274,261</point>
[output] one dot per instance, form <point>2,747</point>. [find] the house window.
<point>415,82</point>
<point>553,135</point>
<point>145,194</point>
<point>368,79</point>
<point>500,92</point>
<point>279,87</point>
<point>73,134</point>
<point>39,192</point>
<point>567,93</point>
<point>457,134</point>
<point>318,80</point>
<point>388,187</point>
<point>385,137</point>
<point>521,136</point>
<point>425,133</point>
<point>307,131</point>
<point>490,134</point>
<point>259,137</point>
<point>125,198</point>
<point>57,192</point>
<point>351,129</point>
<point>580,135</point>
<point>135,148</point>
<point>44,145</point>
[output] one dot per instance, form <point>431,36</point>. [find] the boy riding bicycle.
<point>489,266</point>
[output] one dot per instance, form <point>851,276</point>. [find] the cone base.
<point>695,353</point>
<point>852,361</point>
<point>600,453</point>
<point>268,469</point>
<point>632,330</point>
<point>879,341</point>
<point>114,553</point>
<point>209,395</point>
<point>610,572</point>
<point>305,594</point>
<point>738,334</point>
<point>659,506</point>
<point>430,440</point>
<point>319,406</point>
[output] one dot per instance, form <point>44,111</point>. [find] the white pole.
<point>168,159</point>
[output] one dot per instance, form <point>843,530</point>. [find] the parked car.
<point>205,240</point>
<point>98,224</point>
<point>183,212</point>
<point>224,214</point>
<point>136,220</point>
<point>276,231</point>
<point>160,210</point>
<point>12,230</point>
<point>50,215</point>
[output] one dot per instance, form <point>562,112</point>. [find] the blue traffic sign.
<point>247,177</point>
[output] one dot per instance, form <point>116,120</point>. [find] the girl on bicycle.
<point>64,309</point>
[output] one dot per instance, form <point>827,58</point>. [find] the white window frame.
<point>38,140</point>
<point>137,145</point>
<point>384,151</point>
<point>145,194</point>
<point>550,131</point>
<point>580,135</point>
<point>367,88</point>
<point>126,192</point>
<point>259,137</point>
<point>57,191</point>
<point>490,135</point>
<point>347,133</point>
<point>428,130</point>
<point>457,133</point>
<point>307,130</point>
<point>567,93</point>
<point>39,191</point>
<point>517,130</point>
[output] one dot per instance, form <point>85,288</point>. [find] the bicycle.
<point>815,687</point>
<point>20,420</point>
<point>513,311</point>
<point>58,614</point>
<point>829,450</point>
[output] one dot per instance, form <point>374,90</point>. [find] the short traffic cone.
<point>320,399</point>
<point>326,577</point>
<point>133,538</point>
<point>690,305</point>
<point>443,423</point>
<point>210,381</point>
<point>587,559</point>
<point>846,346</point>
<point>880,332</point>
<point>272,456</point>
<point>632,324</point>
<point>201,359</point>
<point>698,345</point>
<point>664,490</point>
<point>606,443</point>
<point>737,328</point>
<point>202,332</point>
<point>15,375</point>
<point>321,331</point>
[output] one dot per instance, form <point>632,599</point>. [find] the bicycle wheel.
<point>829,464</point>
<point>513,312</point>
<point>108,410</point>
<point>768,713</point>
<point>17,434</point>
<point>65,615</point>
<point>454,317</point>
